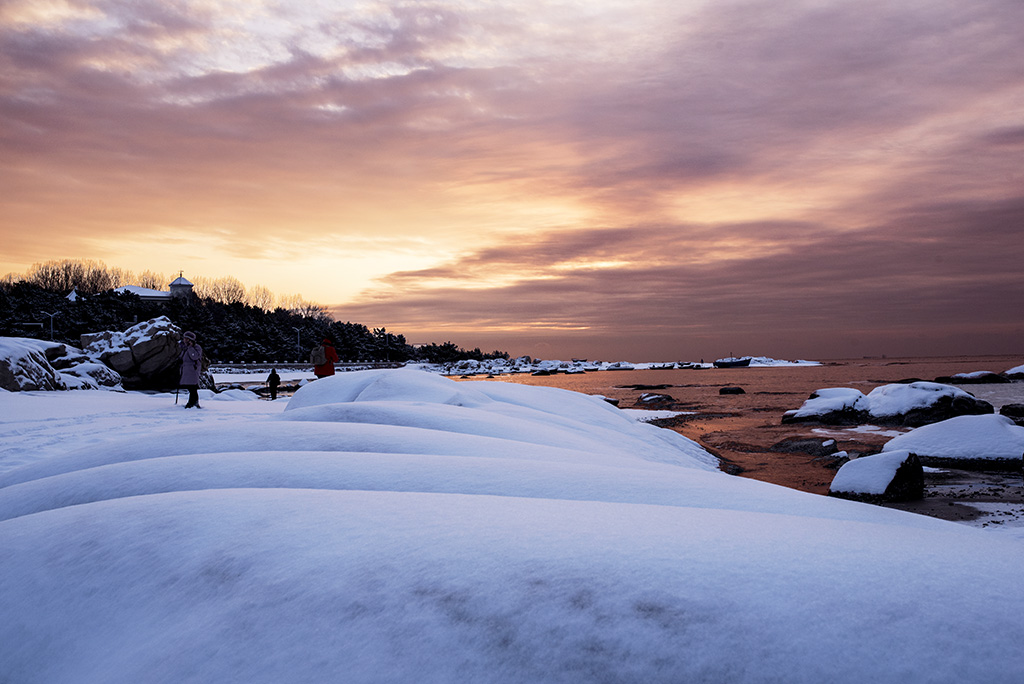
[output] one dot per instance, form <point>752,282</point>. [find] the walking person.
<point>191,367</point>
<point>273,380</point>
<point>323,358</point>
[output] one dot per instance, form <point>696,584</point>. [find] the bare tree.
<point>154,281</point>
<point>301,307</point>
<point>86,275</point>
<point>226,290</point>
<point>261,297</point>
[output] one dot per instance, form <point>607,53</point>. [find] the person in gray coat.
<point>191,367</point>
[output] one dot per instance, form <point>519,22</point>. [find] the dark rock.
<point>731,390</point>
<point>982,378</point>
<point>1014,412</point>
<point>648,399</point>
<point>943,409</point>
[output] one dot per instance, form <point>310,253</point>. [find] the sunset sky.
<point>611,179</point>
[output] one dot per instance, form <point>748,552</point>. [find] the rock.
<point>910,405</point>
<point>89,373</point>
<point>145,355</point>
<point>976,378</point>
<point>1014,412</point>
<point>731,390</point>
<point>885,477</point>
<point>989,442</point>
<point>1014,373</point>
<point>649,399</point>
<point>24,366</point>
<point>804,445</point>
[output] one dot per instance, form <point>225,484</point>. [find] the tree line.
<point>235,323</point>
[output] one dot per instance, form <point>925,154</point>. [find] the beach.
<point>742,429</point>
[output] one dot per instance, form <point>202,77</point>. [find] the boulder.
<point>1014,373</point>
<point>146,355</point>
<point>1014,412</point>
<point>653,399</point>
<point>885,477</point>
<point>731,390</point>
<point>24,366</point>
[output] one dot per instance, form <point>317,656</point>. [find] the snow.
<point>1016,370</point>
<point>868,474</point>
<point>831,399</point>
<point>897,399</point>
<point>399,526</point>
<point>971,437</point>
<point>882,402</point>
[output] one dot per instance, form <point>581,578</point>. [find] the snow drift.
<point>397,526</point>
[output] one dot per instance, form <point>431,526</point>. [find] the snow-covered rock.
<point>974,378</point>
<point>985,442</point>
<point>889,476</point>
<point>1015,373</point>
<point>51,366</point>
<point>146,355</point>
<point>24,366</point>
<point>911,404</point>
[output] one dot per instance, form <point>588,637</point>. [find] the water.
<point>768,387</point>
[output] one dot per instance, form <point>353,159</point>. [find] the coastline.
<point>746,433</point>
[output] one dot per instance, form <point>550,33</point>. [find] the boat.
<point>733,362</point>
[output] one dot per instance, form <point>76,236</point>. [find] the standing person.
<point>324,357</point>
<point>191,367</point>
<point>273,380</point>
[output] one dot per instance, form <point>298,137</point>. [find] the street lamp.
<point>51,315</point>
<point>298,344</point>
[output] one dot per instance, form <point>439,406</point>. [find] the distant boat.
<point>733,362</point>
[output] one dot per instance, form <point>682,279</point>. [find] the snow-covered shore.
<point>399,526</point>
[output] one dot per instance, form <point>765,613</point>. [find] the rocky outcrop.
<point>976,378</point>
<point>731,390</point>
<point>901,405</point>
<point>881,478</point>
<point>145,355</point>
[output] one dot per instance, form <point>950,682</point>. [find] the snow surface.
<point>973,437</point>
<point>395,526</point>
<point>868,474</point>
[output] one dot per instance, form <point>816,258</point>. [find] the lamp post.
<point>51,315</point>
<point>298,344</point>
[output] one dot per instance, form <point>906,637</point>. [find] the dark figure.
<point>191,367</point>
<point>324,365</point>
<point>273,380</point>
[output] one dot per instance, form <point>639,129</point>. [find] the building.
<point>179,288</point>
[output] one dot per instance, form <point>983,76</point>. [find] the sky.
<point>641,179</point>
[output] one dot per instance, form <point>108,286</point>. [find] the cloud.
<point>933,271</point>
<point>565,165</point>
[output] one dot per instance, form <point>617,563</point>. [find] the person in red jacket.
<point>322,370</point>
